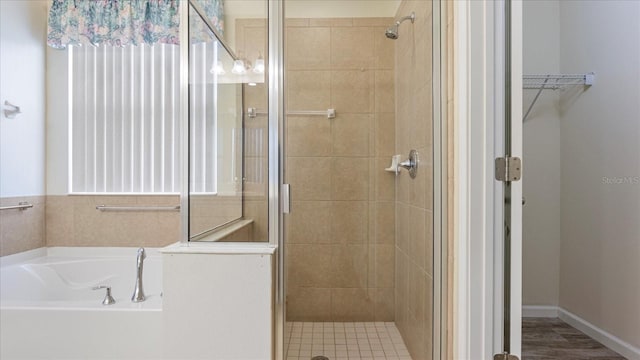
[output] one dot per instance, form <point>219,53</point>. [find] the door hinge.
<point>508,168</point>
<point>505,356</point>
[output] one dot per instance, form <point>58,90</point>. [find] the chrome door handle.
<point>286,198</point>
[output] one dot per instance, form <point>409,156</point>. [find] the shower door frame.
<point>276,169</point>
<point>275,26</point>
<point>277,152</point>
<point>481,100</point>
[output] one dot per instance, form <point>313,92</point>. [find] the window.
<point>124,130</point>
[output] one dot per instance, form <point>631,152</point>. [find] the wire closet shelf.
<point>556,81</point>
<point>553,82</point>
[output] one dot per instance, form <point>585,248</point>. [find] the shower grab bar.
<point>20,206</point>
<point>252,113</point>
<point>329,113</point>
<point>137,208</point>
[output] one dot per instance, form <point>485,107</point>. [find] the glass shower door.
<point>362,242</point>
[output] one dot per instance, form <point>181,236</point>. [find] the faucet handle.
<point>108,299</point>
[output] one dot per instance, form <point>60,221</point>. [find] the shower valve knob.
<point>411,164</point>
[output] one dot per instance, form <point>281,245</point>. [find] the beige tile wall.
<point>207,212</point>
<point>256,164</point>
<point>340,235</point>
<point>414,203</point>
<point>74,221</point>
<point>251,41</point>
<point>22,230</point>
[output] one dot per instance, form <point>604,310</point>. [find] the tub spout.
<point>138,293</point>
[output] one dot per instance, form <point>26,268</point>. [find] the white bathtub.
<point>63,278</point>
<point>49,311</point>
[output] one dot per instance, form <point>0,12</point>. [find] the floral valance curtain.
<point>214,9</point>
<point>120,22</point>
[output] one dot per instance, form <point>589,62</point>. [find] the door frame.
<point>479,53</point>
<point>275,26</point>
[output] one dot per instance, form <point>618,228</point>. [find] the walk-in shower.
<point>359,240</point>
<point>392,31</point>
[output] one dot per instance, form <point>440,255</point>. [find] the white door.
<point>508,185</point>
<point>488,95</point>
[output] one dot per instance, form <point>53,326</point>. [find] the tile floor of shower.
<point>344,341</point>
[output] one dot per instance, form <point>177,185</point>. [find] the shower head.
<point>392,31</point>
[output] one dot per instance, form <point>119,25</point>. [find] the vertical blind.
<point>203,118</point>
<point>125,128</point>
<point>125,119</point>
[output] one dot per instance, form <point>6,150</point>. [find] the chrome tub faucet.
<point>138,293</point>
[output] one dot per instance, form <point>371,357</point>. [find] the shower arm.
<point>411,17</point>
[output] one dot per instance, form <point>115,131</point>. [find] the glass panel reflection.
<point>227,148</point>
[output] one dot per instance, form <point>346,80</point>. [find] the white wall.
<point>600,138</point>
<point>541,177</point>
<point>58,113</point>
<point>22,82</point>
<point>581,229</point>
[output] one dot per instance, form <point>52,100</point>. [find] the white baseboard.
<point>609,340</point>
<point>543,311</point>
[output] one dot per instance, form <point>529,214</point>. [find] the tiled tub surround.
<point>344,341</point>
<point>414,203</point>
<point>74,221</point>
<point>22,230</point>
<point>341,232</point>
<point>212,211</point>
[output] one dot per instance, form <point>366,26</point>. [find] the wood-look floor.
<point>546,338</point>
